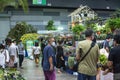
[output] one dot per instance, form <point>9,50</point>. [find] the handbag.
<point>75,67</point>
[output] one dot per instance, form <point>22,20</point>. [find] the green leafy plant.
<point>14,3</point>
<point>90,24</point>
<point>11,74</point>
<point>29,36</point>
<point>113,23</point>
<point>101,36</point>
<point>103,59</point>
<point>50,25</point>
<point>1,73</point>
<point>77,29</point>
<point>21,29</point>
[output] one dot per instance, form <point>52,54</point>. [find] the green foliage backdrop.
<point>14,3</point>
<point>20,29</point>
<point>29,36</point>
<point>113,24</point>
<point>77,29</point>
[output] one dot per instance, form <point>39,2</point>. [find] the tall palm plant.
<point>14,3</point>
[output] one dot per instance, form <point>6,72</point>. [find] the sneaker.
<point>75,73</point>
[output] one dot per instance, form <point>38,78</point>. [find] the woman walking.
<point>36,53</point>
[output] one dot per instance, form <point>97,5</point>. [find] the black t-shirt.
<point>114,56</point>
<point>60,51</point>
<point>42,46</point>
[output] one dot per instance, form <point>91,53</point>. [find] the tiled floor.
<point>31,72</point>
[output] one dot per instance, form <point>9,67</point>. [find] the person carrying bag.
<point>75,67</point>
<point>87,63</point>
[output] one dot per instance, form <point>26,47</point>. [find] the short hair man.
<point>49,61</point>
<point>87,69</point>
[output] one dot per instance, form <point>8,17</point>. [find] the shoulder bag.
<point>75,67</point>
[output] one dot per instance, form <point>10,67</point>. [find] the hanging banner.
<point>29,45</point>
<point>41,2</point>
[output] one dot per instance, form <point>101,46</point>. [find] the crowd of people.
<point>86,56</point>
<point>87,67</point>
<point>10,53</point>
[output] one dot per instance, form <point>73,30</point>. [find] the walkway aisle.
<point>31,72</point>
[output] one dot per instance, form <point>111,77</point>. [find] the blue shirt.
<point>106,44</point>
<point>48,52</point>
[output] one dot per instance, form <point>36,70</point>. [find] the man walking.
<point>20,53</point>
<point>87,69</point>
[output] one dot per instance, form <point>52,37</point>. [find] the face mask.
<point>53,44</point>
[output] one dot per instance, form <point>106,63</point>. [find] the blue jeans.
<point>85,77</point>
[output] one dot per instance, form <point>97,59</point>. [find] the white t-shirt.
<point>36,50</point>
<point>2,60</point>
<point>6,53</point>
<point>13,51</point>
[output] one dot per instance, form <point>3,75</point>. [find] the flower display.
<point>10,74</point>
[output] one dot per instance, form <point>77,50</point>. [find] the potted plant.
<point>113,24</point>
<point>77,30</point>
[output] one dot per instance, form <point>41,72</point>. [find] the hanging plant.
<point>77,29</point>
<point>113,24</point>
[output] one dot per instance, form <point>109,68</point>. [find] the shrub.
<point>21,29</point>
<point>50,25</point>
<point>30,36</point>
<point>77,29</point>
